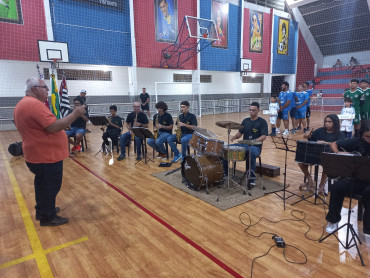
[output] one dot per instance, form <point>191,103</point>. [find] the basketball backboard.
<point>200,28</point>
<point>50,50</point>
<point>245,65</point>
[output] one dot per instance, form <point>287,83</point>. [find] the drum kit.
<point>206,167</point>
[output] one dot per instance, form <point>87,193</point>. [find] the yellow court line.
<point>17,261</point>
<point>38,251</point>
<point>32,256</point>
<point>56,248</point>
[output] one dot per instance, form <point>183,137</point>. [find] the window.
<point>76,74</point>
<point>189,78</point>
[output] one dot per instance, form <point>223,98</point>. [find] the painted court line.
<point>164,223</point>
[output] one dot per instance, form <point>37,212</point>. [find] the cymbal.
<point>205,132</point>
<point>229,125</point>
<point>250,142</point>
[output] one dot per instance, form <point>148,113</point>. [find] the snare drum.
<point>236,153</point>
<point>309,152</point>
<point>197,170</point>
<point>213,147</point>
<point>197,142</point>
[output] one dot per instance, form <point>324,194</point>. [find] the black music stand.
<point>99,120</point>
<point>347,166</point>
<point>143,133</point>
<point>286,144</point>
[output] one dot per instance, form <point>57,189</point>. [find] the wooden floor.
<point>126,223</point>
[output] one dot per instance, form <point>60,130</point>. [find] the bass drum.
<point>196,170</point>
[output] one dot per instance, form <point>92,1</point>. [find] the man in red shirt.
<point>45,146</point>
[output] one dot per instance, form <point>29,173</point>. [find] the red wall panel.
<point>260,61</point>
<point>19,42</point>
<point>306,63</point>
<point>148,51</point>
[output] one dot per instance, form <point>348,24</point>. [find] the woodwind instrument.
<point>133,135</point>
<point>309,134</point>
<point>178,129</point>
<point>155,129</point>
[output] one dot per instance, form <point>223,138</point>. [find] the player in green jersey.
<point>365,107</point>
<point>355,94</point>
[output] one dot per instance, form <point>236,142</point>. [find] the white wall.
<point>13,75</point>
<point>362,57</point>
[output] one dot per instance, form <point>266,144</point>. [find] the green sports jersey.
<point>366,106</point>
<point>355,96</point>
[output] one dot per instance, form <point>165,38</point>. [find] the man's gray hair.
<point>32,82</point>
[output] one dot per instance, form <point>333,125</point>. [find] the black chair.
<point>83,143</point>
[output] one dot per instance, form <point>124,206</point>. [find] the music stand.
<point>99,120</point>
<point>346,166</point>
<point>286,144</point>
<point>143,133</point>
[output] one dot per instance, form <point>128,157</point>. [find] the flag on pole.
<point>42,77</point>
<point>64,101</point>
<point>54,97</point>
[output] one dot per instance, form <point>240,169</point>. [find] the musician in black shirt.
<point>255,128</point>
<point>341,188</point>
<point>323,135</point>
<point>163,123</point>
<point>186,122</point>
<point>144,99</point>
<point>113,128</point>
<point>134,119</point>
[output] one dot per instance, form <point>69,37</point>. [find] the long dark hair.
<point>364,145</point>
<point>336,122</point>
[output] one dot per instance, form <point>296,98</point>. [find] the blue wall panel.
<point>219,59</point>
<point>285,64</point>
<point>95,34</point>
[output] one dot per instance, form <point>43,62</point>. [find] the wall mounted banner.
<point>165,20</point>
<point>283,36</point>
<point>11,11</point>
<point>256,31</point>
<point>220,15</point>
<point>116,4</point>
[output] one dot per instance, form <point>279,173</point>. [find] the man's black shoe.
<point>121,157</point>
<point>57,209</point>
<point>138,157</point>
<point>103,148</point>
<point>55,222</point>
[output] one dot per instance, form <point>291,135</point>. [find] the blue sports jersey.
<point>292,102</point>
<point>284,97</point>
<point>309,92</point>
<point>302,97</point>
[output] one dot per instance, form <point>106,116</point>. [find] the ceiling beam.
<point>297,3</point>
<point>368,4</point>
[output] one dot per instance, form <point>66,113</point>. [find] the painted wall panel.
<point>148,51</point>
<point>260,61</point>
<point>19,41</point>
<point>285,64</point>
<point>306,63</point>
<point>95,34</point>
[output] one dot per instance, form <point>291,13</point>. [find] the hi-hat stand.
<point>96,121</point>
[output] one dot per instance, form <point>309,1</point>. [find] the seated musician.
<point>185,123</point>
<point>327,134</point>
<point>341,188</point>
<point>134,119</point>
<point>255,128</point>
<point>162,125</point>
<point>113,128</point>
<point>78,127</point>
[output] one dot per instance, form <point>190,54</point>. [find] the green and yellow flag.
<point>54,97</point>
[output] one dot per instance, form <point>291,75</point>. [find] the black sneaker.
<point>121,157</point>
<point>55,221</point>
<point>299,128</point>
<point>104,149</point>
<point>138,157</point>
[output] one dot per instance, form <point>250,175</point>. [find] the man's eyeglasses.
<point>45,87</point>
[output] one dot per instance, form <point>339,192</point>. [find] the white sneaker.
<point>278,131</point>
<point>331,227</point>
<point>286,132</point>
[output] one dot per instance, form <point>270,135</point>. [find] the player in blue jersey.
<point>301,107</point>
<point>284,99</point>
<point>293,109</point>
<point>308,110</point>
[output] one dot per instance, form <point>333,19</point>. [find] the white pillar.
<point>132,71</point>
<point>49,26</point>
